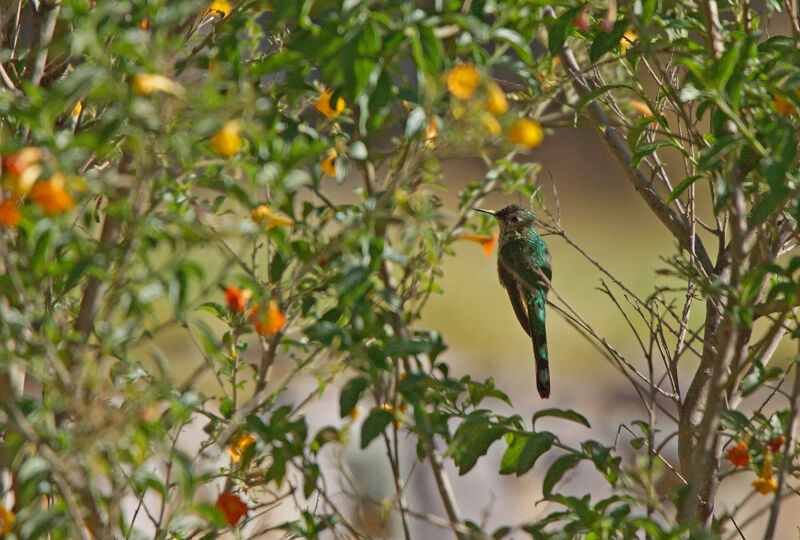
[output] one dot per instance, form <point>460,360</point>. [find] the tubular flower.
<point>328,164</point>
<point>237,298</point>
<point>765,483</point>
<point>7,519</point>
<point>263,214</point>
<point>271,323</point>
<point>431,133</point>
<point>463,80</point>
<point>488,242</point>
<point>231,506</point>
<point>9,213</point>
<point>776,444</point>
<point>51,195</point>
<point>145,84</point>
<point>227,141</point>
<point>738,455</point>
<point>497,103</point>
<point>627,39</point>
<point>238,448</point>
<point>526,133</point>
<point>323,104</point>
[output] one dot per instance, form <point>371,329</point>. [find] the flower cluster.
<point>266,322</point>
<point>488,102</point>
<point>739,456</point>
<point>20,181</point>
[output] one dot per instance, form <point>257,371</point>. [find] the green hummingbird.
<point>523,263</point>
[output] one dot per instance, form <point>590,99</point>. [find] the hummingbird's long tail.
<point>536,316</point>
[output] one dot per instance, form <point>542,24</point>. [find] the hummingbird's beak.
<point>484,211</point>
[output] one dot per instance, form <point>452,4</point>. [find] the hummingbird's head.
<point>512,219</point>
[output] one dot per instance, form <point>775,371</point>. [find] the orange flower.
<point>640,107</point>
<point>227,141</point>
<point>144,24</point>
<point>463,80</point>
<point>231,506</point>
<point>51,195</point>
<point>9,213</point>
<point>21,170</point>
<point>526,133</point>
<point>145,84</point>
<point>323,104</point>
<point>270,324</point>
<point>776,444</point>
<point>7,519</point>
<point>328,164</point>
<point>431,133</point>
<point>488,242</point>
<point>237,298</point>
<point>765,483</point>
<point>784,106</point>
<point>238,448</point>
<point>497,103</point>
<point>263,214</point>
<point>627,39</point>
<point>738,455</point>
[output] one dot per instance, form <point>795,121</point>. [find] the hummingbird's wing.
<point>510,283</point>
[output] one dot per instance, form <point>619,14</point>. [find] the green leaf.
<point>566,414</point>
<point>681,187</point>
<point>537,444</point>
<point>350,395</point>
<point>557,471</point>
<point>40,252</point>
<point>508,464</point>
<point>605,41</point>
<point>374,425</point>
<point>733,420</point>
<point>473,438</point>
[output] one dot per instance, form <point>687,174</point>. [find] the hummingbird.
<point>523,264</point>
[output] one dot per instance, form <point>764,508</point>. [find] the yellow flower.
<point>328,164</point>
<point>323,104</point>
<point>491,124</point>
<point>389,408</point>
<point>220,6</point>
<point>765,483</point>
<point>497,103</point>
<point>145,84</point>
<point>263,214</point>
<point>526,133</point>
<point>627,39</point>
<point>355,412</point>
<point>227,141</point>
<point>7,519</point>
<point>76,111</point>
<point>238,448</point>
<point>463,80</point>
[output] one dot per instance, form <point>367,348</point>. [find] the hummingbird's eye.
<point>515,218</point>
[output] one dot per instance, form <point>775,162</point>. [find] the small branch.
<point>45,37</point>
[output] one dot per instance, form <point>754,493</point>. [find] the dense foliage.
<point>261,178</point>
